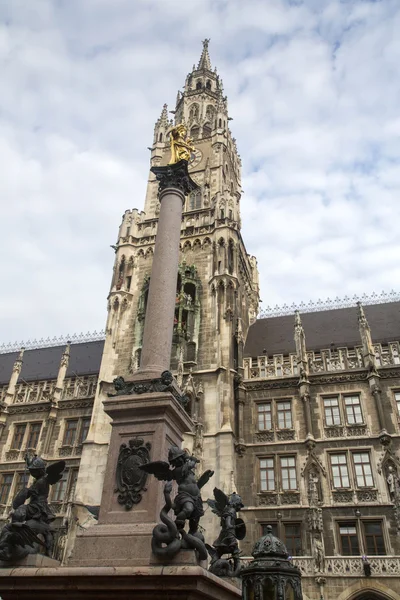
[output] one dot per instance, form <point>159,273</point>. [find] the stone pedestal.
<point>103,583</point>
<point>123,537</point>
<point>32,560</point>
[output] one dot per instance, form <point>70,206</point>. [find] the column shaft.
<point>158,328</point>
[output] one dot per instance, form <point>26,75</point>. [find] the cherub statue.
<point>28,521</point>
<point>181,145</point>
<point>232,530</point>
<point>187,505</point>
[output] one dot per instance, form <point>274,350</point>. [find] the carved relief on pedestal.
<point>131,480</point>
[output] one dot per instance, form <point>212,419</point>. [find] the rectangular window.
<point>5,487</point>
<point>33,435</point>
<point>60,488</point>
<point>340,471</point>
<point>264,416</point>
<point>284,415</point>
<point>288,472</point>
<point>274,531</point>
<point>292,538</point>
<point>267,474</point>
<point>70,433</point>
<point>397,398</point>
<point>22,481</point>
<point>353,410</point>
<point>85,424</point>
<point>19,432</point>
<point>362,467</point>
<point>348,539</point>
<point>373,534</point>
<point>332,413</point>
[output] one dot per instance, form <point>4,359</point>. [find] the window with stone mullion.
<point>373,535</point>
<point>33,435</point>
<point>19,433</point>
<point>284,414</point>
<point>349,544</point>
<point>70,433</point>
<point>353,410</point>
<point>363,470</point>
<point>332,412</point>
<point>340,471</point>
<point>264,416</point>
<point>267,475</point>
<point>5,487</point>
<point>288,473</point>
<point>397,398</point>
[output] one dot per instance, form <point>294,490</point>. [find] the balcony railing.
<point>325,361</point>
<point>345,566</point>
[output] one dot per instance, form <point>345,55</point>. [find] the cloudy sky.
<point>314,92</point>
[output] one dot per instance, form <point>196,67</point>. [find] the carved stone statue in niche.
<point>393,483</point>
<point>318,553</point>
<point>314,488</point>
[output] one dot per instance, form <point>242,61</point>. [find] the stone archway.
<point>368,590</point>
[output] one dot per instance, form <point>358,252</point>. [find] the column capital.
<point>174,176</point>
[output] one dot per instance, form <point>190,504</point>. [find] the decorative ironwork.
<point>131,480</point>
<point>62,340</point>
<point>330,304</point>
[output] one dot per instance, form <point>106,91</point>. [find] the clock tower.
<point>217,288</point>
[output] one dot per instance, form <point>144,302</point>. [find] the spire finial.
<point>205,62</point>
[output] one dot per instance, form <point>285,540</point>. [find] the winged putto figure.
<point>29,531</point>
<point>171,536</point>
<point>232,530</point>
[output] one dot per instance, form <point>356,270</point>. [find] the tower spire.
<point>205,62</point>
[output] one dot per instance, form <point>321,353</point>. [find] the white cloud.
<point>314,92</point>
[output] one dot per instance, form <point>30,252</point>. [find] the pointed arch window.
<point>208,84</point>
<point>198,85</point>
<point>160,137</point>
<point>206,130</point>
<point>195,200</point>
<point>195,132</point>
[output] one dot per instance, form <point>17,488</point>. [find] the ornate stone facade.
<point>302,421</point>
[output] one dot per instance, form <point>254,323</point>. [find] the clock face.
<point>195,159</point>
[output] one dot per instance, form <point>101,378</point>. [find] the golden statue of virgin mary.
<point>181,145</point>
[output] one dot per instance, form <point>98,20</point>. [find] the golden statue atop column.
<point>181,145</point>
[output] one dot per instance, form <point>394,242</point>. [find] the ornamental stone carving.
<point>290,498</point>
<point>131,480</point>
<point>367,496</point>
<point>268,499</point>
<point>343,497</point>
<point>264,436</point>
<point>285,434</point>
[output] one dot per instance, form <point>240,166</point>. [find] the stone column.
<point>158,329</point>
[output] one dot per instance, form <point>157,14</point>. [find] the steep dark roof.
<point>43,363</point>
<point>336,326</point>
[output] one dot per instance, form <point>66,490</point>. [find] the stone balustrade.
<point>325,361</point>
<point>349,566</point>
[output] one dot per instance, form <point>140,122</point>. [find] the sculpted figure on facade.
<point>318,553</point>
<point>20,537</point>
